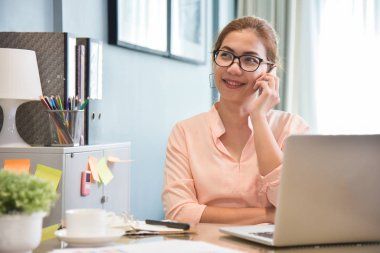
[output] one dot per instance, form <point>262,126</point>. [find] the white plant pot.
<point>20,233</point>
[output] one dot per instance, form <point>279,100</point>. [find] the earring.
<point>214,90</point>
<point>211,80</point>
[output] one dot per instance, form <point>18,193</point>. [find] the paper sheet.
<point>18,165</point>
<point>138,228</point>
<point>48,173</point>
<point>167,246</point>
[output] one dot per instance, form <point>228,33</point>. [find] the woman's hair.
<point>262,29</point>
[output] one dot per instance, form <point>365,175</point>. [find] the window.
<point>348,72</point>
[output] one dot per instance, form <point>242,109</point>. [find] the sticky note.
<point>113,159</point>
<point>48,232</point>
<point>19,166</point>
<point>104,172</point>
<point>48,173</point>
<point>92,161</point>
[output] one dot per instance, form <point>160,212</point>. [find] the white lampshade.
<point>19,83</point>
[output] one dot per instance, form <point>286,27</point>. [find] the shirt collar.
<point>216,123</point>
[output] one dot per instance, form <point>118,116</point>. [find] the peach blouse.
<point>200,172</point>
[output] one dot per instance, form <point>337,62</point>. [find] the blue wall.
<point>143,94</point>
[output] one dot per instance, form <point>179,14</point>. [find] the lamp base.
<point>9,136</point>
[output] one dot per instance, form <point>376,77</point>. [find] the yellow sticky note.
<point>48,232</point>
<point>48,173</point>
<point>92,161</point>
<point>19,166</point>
<point>104,172</point>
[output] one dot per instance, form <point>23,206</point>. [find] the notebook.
<point>329,193</point>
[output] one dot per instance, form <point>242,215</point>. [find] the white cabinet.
<point>72,161</point>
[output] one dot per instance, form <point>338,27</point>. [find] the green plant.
<point>24,193</point>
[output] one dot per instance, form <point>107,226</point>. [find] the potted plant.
<point>24,201</point>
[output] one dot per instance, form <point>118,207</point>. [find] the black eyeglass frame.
<point>261,61</point>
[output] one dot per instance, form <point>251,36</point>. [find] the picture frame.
<point>129,26</point>
<point>188,30</point>
<point>169,28</point>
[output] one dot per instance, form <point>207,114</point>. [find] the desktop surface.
<point>209,233</point>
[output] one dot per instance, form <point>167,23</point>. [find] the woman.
<point>223,166</point>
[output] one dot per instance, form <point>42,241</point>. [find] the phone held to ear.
<point>271,68</point>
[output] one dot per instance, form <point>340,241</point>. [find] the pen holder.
<point>66,127</point>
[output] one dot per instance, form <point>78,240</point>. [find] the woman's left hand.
<point>267,87</point>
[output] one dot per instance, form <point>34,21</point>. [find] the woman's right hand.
<point>265,95</point>
<point>267,86</point>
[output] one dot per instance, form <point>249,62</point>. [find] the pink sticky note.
<point>114,159</point>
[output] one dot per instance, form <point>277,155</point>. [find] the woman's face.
<point>233,83</point>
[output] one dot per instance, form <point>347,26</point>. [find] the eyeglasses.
<point>247,62</point>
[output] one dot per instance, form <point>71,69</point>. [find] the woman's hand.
<point>267,87</point>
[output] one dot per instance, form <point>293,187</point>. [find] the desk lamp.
<point>19,83</point>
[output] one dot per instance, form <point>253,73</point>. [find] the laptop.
<point>329,193</point>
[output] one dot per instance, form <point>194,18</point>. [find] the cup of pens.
<point>66,127</point>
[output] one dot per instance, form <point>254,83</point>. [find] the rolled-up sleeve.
<point>270,184</point>
<point>179,194</point>
<point>294,125</point>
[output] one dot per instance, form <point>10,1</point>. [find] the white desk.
<point>209,233</point>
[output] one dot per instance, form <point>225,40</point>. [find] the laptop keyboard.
<point>263,234</point>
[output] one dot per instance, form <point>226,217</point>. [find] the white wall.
<point>143,94</point>
<point>26,16</point>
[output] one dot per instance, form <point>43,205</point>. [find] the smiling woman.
<point>232,175</point>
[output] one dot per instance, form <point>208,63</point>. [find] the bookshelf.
<point>57,62</point>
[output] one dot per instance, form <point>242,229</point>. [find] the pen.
<point>75,103</point>
<point>68,104</point>
<point>54,103</point>
<point>169,224</point>
<point>44,103</point>
<point>71,103</point>
<point>58,98</point>
<point>84,104</point>
<point>47,100</point>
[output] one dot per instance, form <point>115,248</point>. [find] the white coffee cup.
<point>85,222</point>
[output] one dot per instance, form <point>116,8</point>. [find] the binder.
<point>56,62</point>
<point>94,67</point>
<point>93,75</point>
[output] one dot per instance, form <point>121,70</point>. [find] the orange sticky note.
<point>19,166</point>
<point>48,173</point>
<point>104,172</point>
<point>92,161</point>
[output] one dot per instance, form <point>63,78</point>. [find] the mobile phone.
<point>271,68</point>
<point>85,183</point>
<point>169,224</point>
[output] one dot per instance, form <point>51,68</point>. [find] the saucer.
<point>111,235</point>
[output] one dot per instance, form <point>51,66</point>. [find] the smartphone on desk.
<point>169,224</point>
